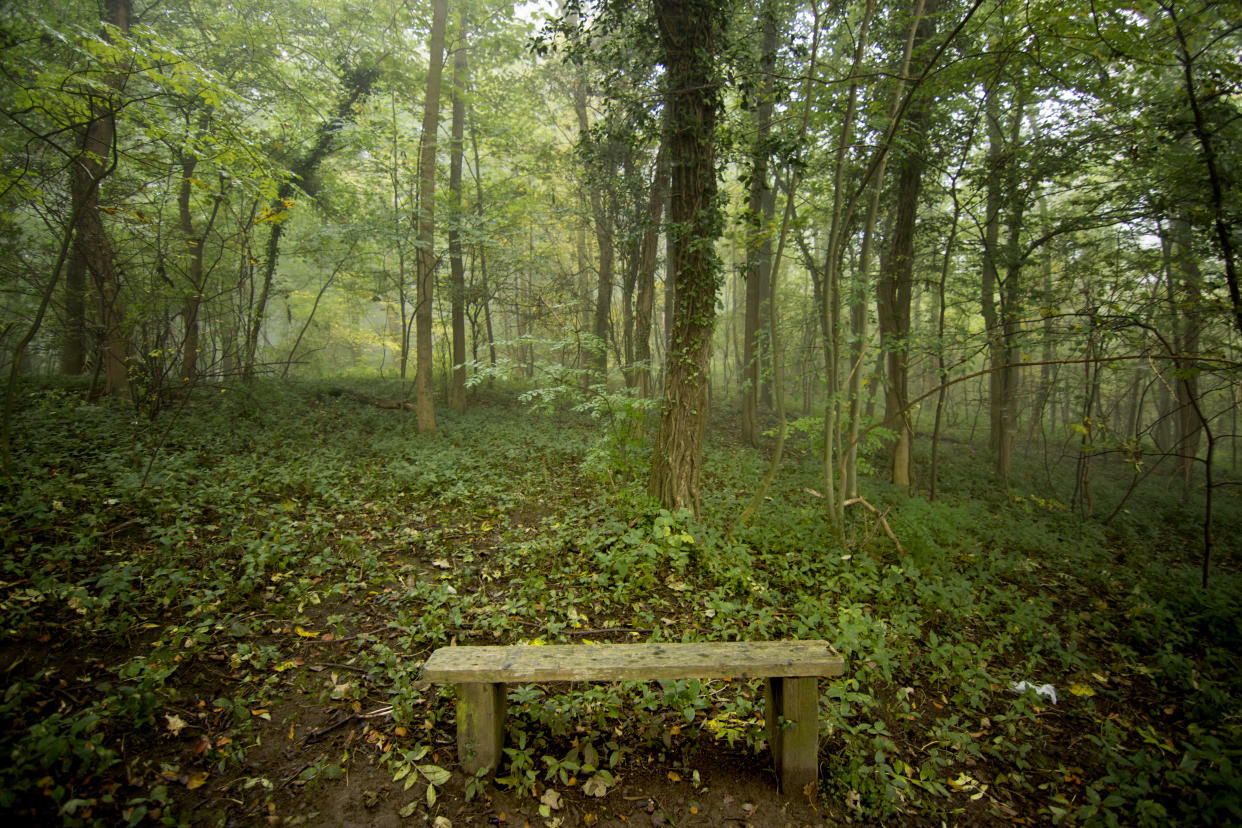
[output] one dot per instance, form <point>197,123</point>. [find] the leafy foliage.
<point>192,587</point>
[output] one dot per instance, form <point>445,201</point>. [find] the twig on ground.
<point>603,630</point>
<point>883,521</point>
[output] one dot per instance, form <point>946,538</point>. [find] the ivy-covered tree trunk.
<point>425,405</point>
<point>690,32</point>
<point>92,250</point>
<point>357,83</point>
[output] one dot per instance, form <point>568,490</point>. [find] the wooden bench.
<point>791,695</point>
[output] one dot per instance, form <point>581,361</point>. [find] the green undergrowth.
<point>185,570</point>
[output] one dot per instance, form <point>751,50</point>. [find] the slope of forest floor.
<point>219,616</point>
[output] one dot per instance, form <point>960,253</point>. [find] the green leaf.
<point>435,774</point>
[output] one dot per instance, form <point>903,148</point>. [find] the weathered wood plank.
<point>481,712</point>
<point>620,662</point>
<point>794,742</point>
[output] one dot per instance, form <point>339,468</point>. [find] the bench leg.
<point>795,749</point>
<point>480,725</point>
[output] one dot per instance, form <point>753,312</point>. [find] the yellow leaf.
<point>674,776</point>
<point>1082,690</point>
<point>196,780</point>
<point>175,723</point>
<point>305,633</point>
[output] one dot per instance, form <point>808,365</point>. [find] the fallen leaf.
<point>674,776</point>
<point>551,798</point>
<point>304,633</point>
<point>964,781</point>
<point>409,809</point>
<point>441,563</point>
<point>1082,690</point>
<point>175,723</point>
<point>595,786</point>
<point>196,780</point>
<point>442,822</point>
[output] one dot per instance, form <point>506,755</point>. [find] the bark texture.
<point>759,252</point>
<point>457,270</point>
<point>690,32</point>
<point>648,253</point>
<point>92,254</point>
<point>427,222</point>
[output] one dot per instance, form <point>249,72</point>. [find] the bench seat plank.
<point>619,662</point>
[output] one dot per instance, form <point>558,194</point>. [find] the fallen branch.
<point>353,717</point>
<point>605,630</point>
<point>880,516</point>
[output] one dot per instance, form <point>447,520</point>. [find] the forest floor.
<point>218,616</point>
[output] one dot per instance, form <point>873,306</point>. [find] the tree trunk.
<point>356,83</point>
<point>194,274</point>
<point>92,247</point>
<point>603,239</point>
<point>485,290</point>
<point>759,245</point>
<point>1186,324</point>
<point>897,270</point>
<point>835,495</point>
<point>648,254</point>
<point>893,310</point>
<point>1217,170</point>
<point>1010,295</point>
<point>426,411</point>
<point>74,345</point>
<point>689,33</point>
<point>457,386</point>
<point>990,273</point>
<point>195,242</point>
